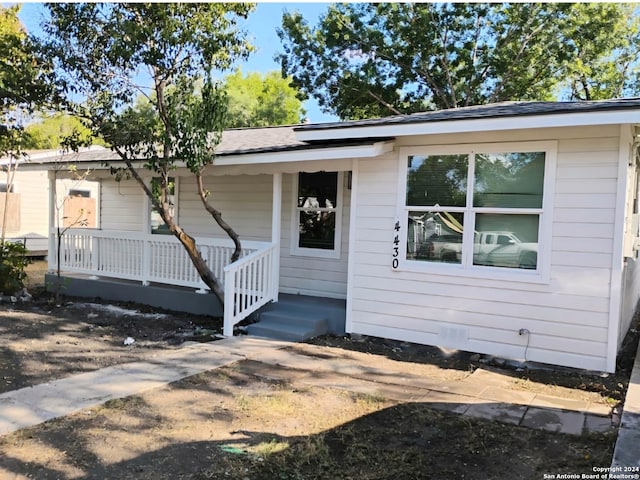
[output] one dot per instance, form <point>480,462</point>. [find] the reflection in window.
<point>435,236</point>
<point>509,180</point>
<point>506,240</point>
<point>504,207</point>
<point>437,180</point>
<point>317,203</point>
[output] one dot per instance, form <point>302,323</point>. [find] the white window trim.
<point>148,207</point>
<point>467,269</point>
<point>295,237</point>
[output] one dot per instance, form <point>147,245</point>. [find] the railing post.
<point>146,261</point>
<point>229,304</point>
<point>95,254</point>
<point>276,234</point>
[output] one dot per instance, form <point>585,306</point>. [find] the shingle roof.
<point>495,110</point>
<point>234,142</point>
<point>244,141</point>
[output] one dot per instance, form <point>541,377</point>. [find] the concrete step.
<point>301,308</point>
<point>288,325</point>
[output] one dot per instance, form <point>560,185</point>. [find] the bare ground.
<point>251,421</point>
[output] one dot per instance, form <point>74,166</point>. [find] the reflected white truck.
<point>498,249</point>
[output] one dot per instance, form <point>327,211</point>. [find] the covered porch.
<point>130,259</point>
<point>155,269</point>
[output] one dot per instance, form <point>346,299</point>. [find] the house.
<point>537,202</point>
<point>25,198</point>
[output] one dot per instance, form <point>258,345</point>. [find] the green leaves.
<point>366,60</point>
<point>257,100</point>
<point>136,69</point>
<point>24,81</point>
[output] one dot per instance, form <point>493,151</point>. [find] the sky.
<point>261,26</point>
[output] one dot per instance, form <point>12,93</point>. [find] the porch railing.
<point>249,282</point>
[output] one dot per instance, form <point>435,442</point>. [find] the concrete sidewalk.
<point>483,394</point>
<point>33,405</point>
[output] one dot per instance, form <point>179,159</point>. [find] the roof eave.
<point>374,149</point>
<point>608,117</point>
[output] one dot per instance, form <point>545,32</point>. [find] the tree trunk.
<point>199,263</point>
<point>217,216</point>
<point>210,280</point>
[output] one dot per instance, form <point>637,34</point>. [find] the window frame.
<point>296,249</point>
<point>466,268</point>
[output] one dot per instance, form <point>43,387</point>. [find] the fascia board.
<point>473,125</point>
<point>334,153</point>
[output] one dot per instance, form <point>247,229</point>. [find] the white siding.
<point>121,205</point>
<point>33,188</point>
<point>244,200</point>
<point>568,317</point>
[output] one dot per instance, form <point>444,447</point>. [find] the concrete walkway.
<point>483,394</point>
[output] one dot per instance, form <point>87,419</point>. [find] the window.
<point>317,214</point>
<point>4,187</point>
<point>480,209</point>
<point>157,224</point>
<point>76,192</point>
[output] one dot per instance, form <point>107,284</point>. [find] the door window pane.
<point>437,180</point>
<point>506,240</point>
<point>435,236</point>
<point>509,180</point>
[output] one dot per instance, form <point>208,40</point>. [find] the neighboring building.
<point>534,203</point>
<point>27,214</point>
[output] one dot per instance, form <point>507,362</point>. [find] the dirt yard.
<point>245,422</point>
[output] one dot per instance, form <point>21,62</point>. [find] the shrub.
<point>13,261</point>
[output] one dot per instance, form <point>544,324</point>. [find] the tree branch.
<point>217,216</point>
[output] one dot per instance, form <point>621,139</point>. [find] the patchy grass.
<point>231,424</point>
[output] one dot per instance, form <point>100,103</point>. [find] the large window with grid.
<point>473,209</point>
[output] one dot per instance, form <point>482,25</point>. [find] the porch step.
<point>288,324</point>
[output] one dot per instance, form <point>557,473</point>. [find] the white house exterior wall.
<point>33,190</point>
<point>121,205</point>
<point>567,317</point>
<point>244,200</point>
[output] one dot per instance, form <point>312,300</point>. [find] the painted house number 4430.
<point>395,249</point>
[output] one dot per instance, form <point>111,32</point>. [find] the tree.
<point>50,130</point>
<point>368,60</point>
<point>104,49</point>
<point>257,100</point>
<point>24,85</point>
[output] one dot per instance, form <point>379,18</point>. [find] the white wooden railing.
<point>249,282</point>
